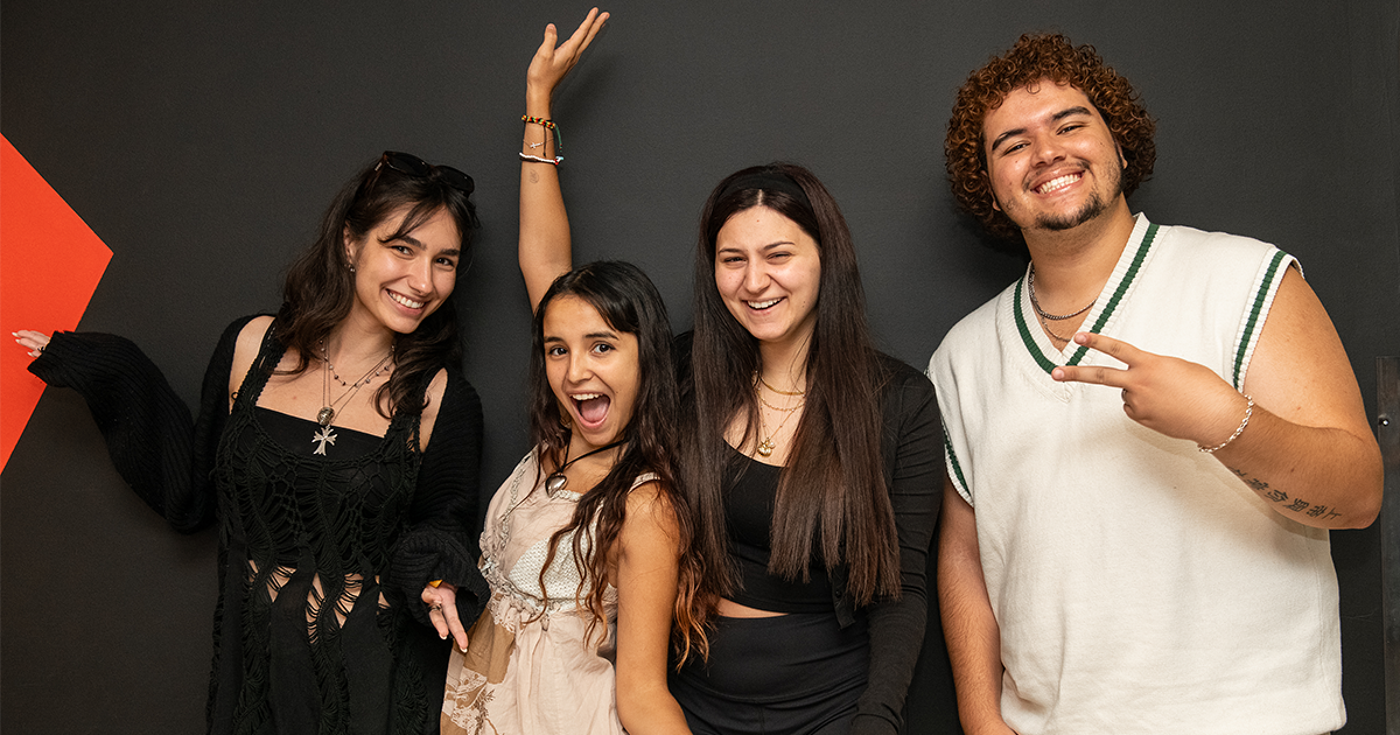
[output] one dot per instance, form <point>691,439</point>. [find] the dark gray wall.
<point>201,142</point>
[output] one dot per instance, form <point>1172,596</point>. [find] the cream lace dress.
<point>530,667</point>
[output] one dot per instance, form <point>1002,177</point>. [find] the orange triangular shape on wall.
<point>50,264</point>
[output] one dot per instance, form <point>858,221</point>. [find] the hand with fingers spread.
<point>552,63</point>
<point>442,611</point>
<point>1181,399</point>
<point>31,340</point>
<point>545,248</point>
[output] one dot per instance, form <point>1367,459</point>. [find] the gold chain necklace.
<point>781,410</point>
<point>775,390</point>
<point>766,447</point>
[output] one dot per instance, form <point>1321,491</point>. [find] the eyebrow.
<point>590,335</point>
<point>415,242</point>
<point>1062,114</point>
<point>769,246</point>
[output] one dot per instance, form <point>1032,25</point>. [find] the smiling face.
<point>768,272</point>
<point>593,370</point>
<point>399,282</point>
<point>1052,161</point>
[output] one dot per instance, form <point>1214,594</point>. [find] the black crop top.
<point>301,436</point>
<point>750,491</point>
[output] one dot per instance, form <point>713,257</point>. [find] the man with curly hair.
<point>1148,436</point>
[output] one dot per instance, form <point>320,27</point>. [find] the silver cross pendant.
<point>323,437</point>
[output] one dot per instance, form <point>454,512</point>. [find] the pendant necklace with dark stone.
<point>556,482</point>
<point>326,415</point>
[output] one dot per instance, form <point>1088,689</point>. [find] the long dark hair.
<point>629,302</point>
<point>320,286</point>
<point>833,487</point>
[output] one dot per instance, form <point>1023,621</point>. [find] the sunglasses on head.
<point>407,163</point>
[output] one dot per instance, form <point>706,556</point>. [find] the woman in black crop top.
<point>336,448</point>
<point>814,466</point>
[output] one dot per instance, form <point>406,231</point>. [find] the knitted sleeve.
<point>163,455</point>
<point>913,438</point>
<point>442,542</point>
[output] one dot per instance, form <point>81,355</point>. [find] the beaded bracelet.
<point>1248,411</point>
<point>558,139</point>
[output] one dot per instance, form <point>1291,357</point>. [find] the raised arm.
<point>1307,447</point>
<point>545,247</point>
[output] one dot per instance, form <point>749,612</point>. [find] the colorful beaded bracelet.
<point>558,140</point>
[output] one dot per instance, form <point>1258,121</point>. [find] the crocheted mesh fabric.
<point>308,539</point>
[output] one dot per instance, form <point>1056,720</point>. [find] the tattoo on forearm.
<point>1278,496</point>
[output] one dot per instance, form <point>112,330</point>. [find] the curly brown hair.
<point>1036,57</point>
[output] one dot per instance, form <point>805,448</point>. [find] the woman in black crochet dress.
<point>336,448</point>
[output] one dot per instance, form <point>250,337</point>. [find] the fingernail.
<point>442,637</point>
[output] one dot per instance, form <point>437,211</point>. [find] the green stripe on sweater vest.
<point>1118,293</point>
<point>1253,322</point>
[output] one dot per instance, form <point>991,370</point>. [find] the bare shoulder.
<point>649,510</point>
<point>1300,369</point>
<point>250,339</point>
<point>436,390</point>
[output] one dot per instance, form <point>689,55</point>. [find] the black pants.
<point>797,674</point>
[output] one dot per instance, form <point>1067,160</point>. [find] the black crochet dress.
<point>318,628</point>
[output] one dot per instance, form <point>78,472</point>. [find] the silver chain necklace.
<point>1053,317</point>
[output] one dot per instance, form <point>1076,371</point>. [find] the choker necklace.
<point>1030,285</point>
<point>775,390</point>
<point>766,446</point>
<point>556,482</point>
<point>326,415</point>
<point>789,409</point>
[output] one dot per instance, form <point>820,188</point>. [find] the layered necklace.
<point>324,417</point>
<point>1046,316</point>
<point>766,446</point>
<point>557,482</point>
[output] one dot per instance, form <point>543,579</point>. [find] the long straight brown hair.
<point>320,286</point>
<point>833,487</point>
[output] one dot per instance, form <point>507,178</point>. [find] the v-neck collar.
<point>1119,285</point>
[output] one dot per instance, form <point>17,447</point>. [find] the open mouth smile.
<point>406,301</point>
<point>1057,183</point>
<point>591,408</point>
<point>761,305</point>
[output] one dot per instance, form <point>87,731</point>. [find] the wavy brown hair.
<point>629,302</point>
<point>320,286</point>
<point>1033,58</point>
<point>832,503</point>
